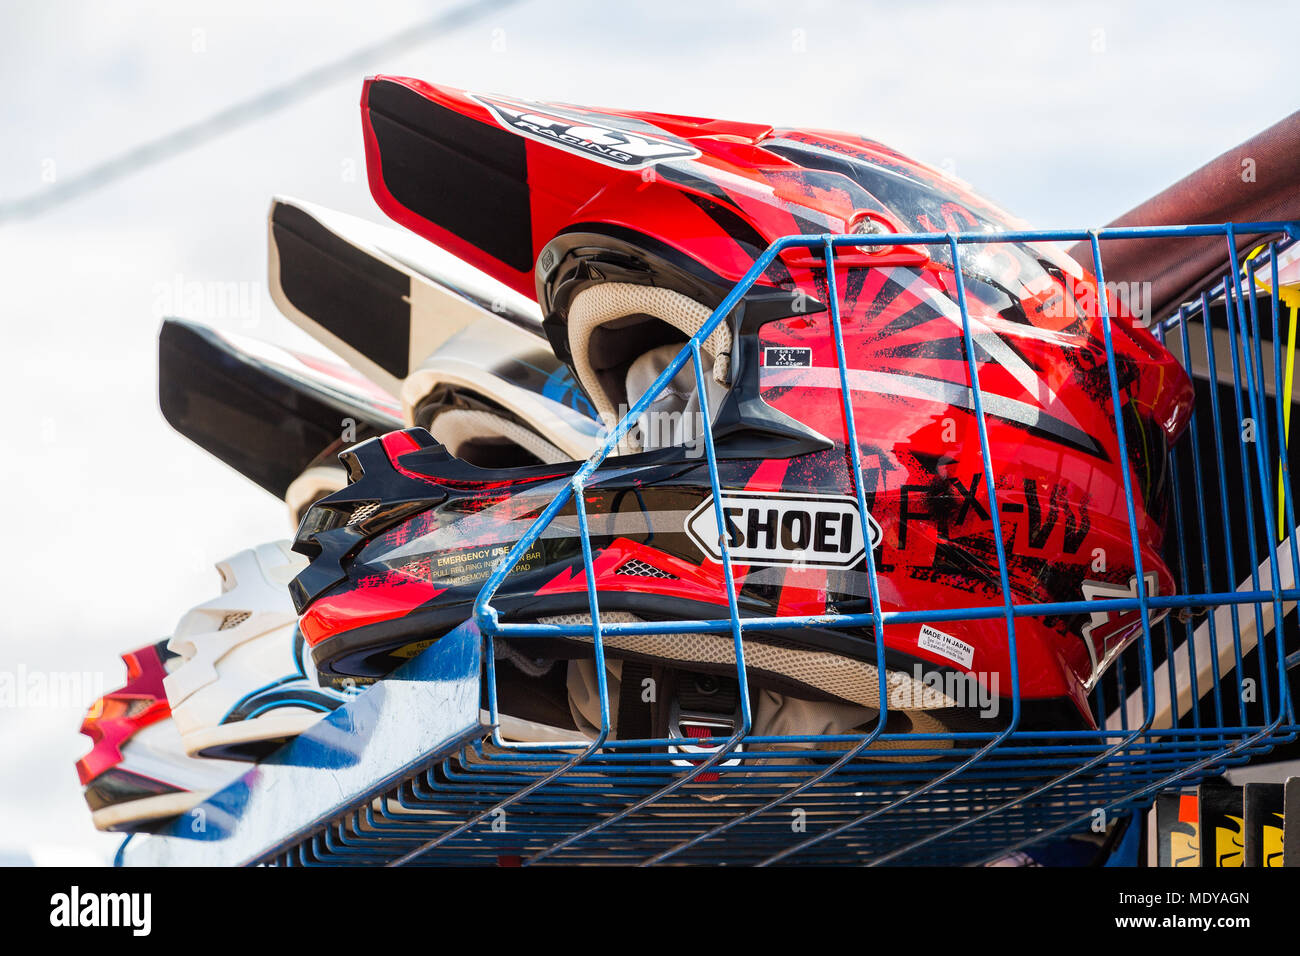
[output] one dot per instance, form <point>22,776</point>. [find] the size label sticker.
<point>945,645</point>
<point>786,356</point>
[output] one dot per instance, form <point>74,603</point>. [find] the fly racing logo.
<point>131,910</point>
<point>777,529</point>
<point>584,136</point>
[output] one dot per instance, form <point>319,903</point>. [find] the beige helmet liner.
<point>605,303</point>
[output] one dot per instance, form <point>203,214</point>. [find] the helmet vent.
<point>639,568</point>
<point>234,619</point>
<point>364,512</point>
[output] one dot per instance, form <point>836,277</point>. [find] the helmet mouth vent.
<point>638,568</point>
<point>363,512</point>
<point>234,619</point>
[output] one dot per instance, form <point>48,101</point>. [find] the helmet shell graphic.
<point>558,201</point>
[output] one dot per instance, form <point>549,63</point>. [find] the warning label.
<point>462,567</point>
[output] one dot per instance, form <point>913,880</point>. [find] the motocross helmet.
<point>464,353</point>
<point>241,689</point>
<point>629,228</point>
<point>137,775</point>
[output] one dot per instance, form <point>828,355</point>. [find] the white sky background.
<point>1066,114</point>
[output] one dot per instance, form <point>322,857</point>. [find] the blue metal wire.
<point>955,798</point>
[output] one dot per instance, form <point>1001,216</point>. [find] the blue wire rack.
<point>1170,710</point>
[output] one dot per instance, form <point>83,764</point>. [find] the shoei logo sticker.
<point>582,135</point>
<point>783,530</point>
<point>945,645</point>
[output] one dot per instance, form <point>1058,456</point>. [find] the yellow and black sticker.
<point>475,564</point>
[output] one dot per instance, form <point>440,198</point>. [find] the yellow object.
<point>1229,845</point>
<point>1290,297</point>
<point>1273,843</point>
<point>1184,847</point>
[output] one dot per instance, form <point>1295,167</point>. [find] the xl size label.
<point>786,356</point>
<point>785,530</point>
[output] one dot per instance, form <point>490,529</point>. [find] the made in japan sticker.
<point>945,645</point>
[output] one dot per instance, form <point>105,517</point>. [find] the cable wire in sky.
<point>240,114</point>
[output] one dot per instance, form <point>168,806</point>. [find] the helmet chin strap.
<point>603,303</point>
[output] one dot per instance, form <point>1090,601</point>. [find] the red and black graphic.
<point>400,555</point>
<point>117,717</point>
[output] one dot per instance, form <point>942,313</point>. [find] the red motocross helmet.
<point>629,228</point>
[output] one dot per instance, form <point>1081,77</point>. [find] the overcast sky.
<point>1066,114</point>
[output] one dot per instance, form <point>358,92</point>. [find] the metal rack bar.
<point>428,709</point>
<point>416,777</point>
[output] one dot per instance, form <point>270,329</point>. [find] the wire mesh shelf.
<point>1202,688</point>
